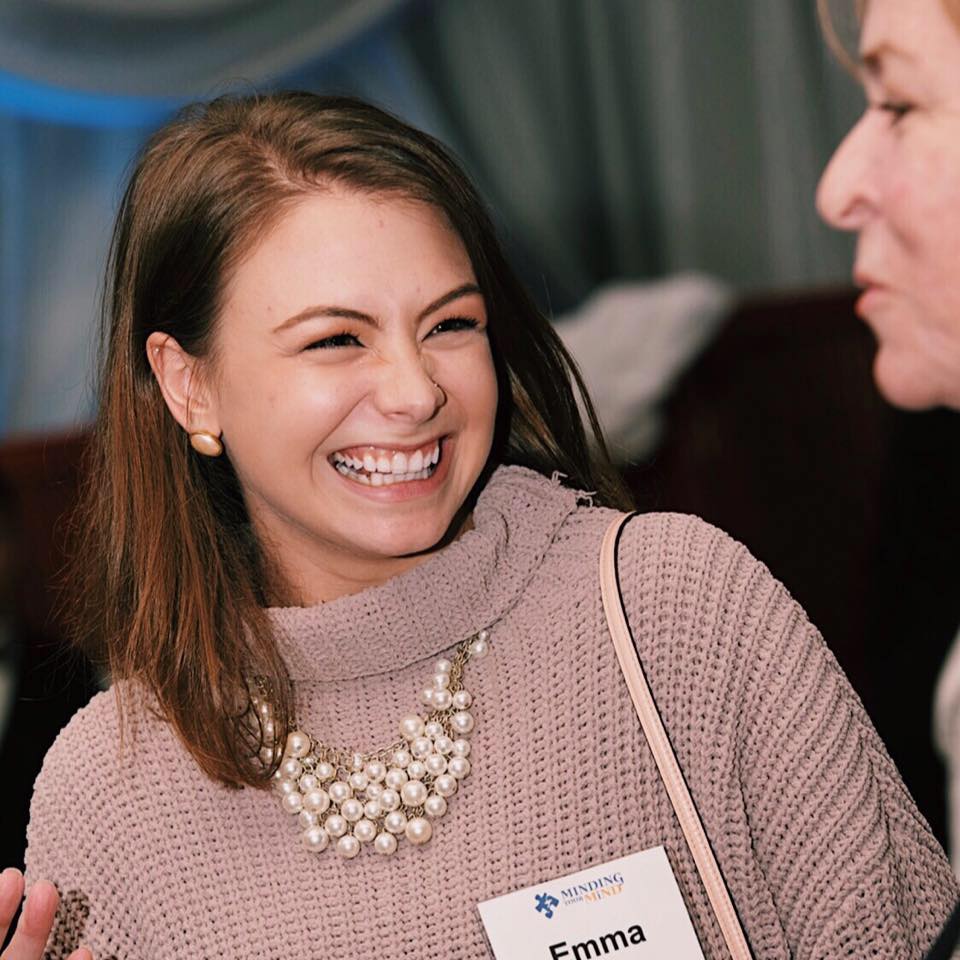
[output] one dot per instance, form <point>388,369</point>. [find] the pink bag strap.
<point>663,753</point>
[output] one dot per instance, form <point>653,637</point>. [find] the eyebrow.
<point>872,60</point>
<point>347,313</point>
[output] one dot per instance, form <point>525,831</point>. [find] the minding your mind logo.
<point>593,891</point>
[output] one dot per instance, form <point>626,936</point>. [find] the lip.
<point>395,447</point>
<point>863,279</point>
<point>410,490</point>
<point>872,289</point>
<point>867,300</point>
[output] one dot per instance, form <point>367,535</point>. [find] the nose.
<point>846,195</point>
<point>406,388</point>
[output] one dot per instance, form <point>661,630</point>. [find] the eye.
<point>337,340</point>
<point>896,109</point>
<point>452,324</point>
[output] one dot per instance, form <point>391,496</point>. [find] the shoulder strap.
<point>663,753</point>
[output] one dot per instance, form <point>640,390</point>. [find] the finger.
<point>11,893</point>
<point>81,953</point>
<point>35,922</point>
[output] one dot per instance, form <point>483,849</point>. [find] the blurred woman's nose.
<point>845,195</point>
<point>406,389</point>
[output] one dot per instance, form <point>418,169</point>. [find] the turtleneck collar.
<point>465,587</point>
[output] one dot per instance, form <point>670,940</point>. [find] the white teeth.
<point>347,471</point>
<point>383,479</point>
<point>381,469</point>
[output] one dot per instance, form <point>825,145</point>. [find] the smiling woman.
<point>340,549</point>
<point>300,277</point>
<point>323,412</point>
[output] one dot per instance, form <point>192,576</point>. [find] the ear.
<point>186,393</point>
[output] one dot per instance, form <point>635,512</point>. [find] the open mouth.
<point>380,466</point>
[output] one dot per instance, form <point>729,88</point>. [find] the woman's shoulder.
<point>663,545</point>
<point>98,721</point>
<point>98,773</point>
<point>104,741</point>
<point>687,585</point>
<point>84,745</point>
<point>669,543</point>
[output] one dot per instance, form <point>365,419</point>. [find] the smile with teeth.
<point>378,467</point>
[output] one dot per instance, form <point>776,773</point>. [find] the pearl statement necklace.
<point>353,799</point>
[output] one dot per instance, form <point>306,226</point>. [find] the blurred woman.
<point>895,181</point>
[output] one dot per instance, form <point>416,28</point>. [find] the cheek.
<point>921,220</point>
<point>476,382</point>
<point>923,202</point>
<point>937,282</point>
<point>269,418</point>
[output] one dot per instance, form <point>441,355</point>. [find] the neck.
<point>302,578</point>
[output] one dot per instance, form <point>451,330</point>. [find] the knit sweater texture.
<point>823,849</point>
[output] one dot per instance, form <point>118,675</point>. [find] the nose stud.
<point>443,396</point>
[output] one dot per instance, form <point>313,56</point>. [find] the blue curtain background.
<point>612,138</point>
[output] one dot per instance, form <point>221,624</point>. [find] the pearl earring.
<point>206,443</point>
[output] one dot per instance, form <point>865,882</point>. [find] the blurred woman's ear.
<point>185,390</point>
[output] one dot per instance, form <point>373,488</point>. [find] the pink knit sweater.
<point>824,851</point>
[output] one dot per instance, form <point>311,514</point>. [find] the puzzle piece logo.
<point>546,904</point>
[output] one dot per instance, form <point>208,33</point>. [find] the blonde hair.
<point>837,35</point>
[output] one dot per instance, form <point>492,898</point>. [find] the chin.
<point>904,384</point>
<point>407,539</point>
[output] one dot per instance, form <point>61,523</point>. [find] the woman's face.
<point>895,180</point>
<point>351,354</point>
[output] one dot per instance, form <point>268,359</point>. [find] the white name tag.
<point>630,907</point>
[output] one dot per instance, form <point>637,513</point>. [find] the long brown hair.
<point>169,579</point>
